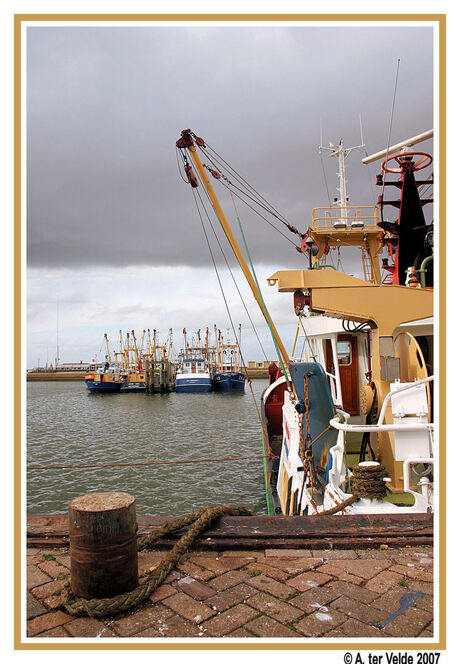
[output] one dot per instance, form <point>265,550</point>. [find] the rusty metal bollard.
<point>103,547</point>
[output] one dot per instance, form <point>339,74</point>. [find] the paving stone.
<point>364,569</point>
<point>421,586</point>
<point>271,586</point>
<point>147,560</point>
<point>53,569</point>
<point>425,575</point>
<point>227,598</point>
<point>89,628</point>
<point>64,560</point>
<point>227,622</point>
<point>294,566</point>
<point>362,612</point>
<point>172,576</point>
<point>34,608</point>
<point>334,571</point>
<point>189,608</point>
<point>311,600</point>
<point>52,602</point>
<point>194,588</point>
<point>197,572</point>
<point>288,553</point>
<point>35,577</point>
<point>267,628</point>
<point>34,556</point>
<point>228,580</point>
<point>355,629</point>
<point>410,623</point>
<point>353,591</point>
<point>48,589</point>
<point>163,591</point>
<point>149,616</point>
<point>383,581</point>
<point>55,633</point>
<point>375,554</point>
<point>335,554</point>
<point>308,580</point>
<point>240,633</point>
<point>259,568</point>
<point>47,621</point>
<point>220,565</point>
<point>172,627</point>
<point>281,611</point>
<point>251,555</point>
<point>317,624</point>
<point>390,601</point>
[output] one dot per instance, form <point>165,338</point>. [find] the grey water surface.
<point>66,425</point>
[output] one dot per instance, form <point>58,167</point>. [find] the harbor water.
<point>66,425</point>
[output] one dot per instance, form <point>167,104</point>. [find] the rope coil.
<point>101,607</point>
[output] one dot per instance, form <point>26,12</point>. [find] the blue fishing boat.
<point>228,376</point>
<point>196,369</point>
<point>193,376</point>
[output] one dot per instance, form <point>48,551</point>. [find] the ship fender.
<point>320,409</point>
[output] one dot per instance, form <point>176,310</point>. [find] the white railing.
<point>415,426</point>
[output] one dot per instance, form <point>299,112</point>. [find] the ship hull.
<point>228,382</point>
<point>193,383</point>
<point>133,386</point>
<point>102,387</point>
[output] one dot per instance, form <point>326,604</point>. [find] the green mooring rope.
<point>200,520</point>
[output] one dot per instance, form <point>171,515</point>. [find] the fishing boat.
<point>196,368</point>
<point>133,374</point>
<point>228,376</point>
<point>107,378</point>
<point>349,424</point>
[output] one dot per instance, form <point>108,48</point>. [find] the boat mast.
<point>57,334</point>
<point>341,153</point>
<point>187,142</point>
<point>238,358</point>
<point>108,350</point>
<point>217,349</point>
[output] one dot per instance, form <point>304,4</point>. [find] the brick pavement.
<point>274,594</point>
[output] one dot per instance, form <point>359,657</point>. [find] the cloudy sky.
<point>114,240</point>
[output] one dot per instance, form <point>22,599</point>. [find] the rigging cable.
<point>265,442</point>
<point>242,180</point>
<point>238,290</point>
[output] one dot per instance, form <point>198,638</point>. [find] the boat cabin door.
<point>347,359</point>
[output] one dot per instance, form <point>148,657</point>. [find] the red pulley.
<point>191,176</point>
<point>301,300</point>
<point>199,141</point>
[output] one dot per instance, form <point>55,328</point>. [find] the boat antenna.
<point>390,127</point>
<point>57,334</point>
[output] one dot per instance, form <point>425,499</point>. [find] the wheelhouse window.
<point>344,352</point>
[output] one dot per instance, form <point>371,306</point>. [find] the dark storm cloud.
<point>106,105</point>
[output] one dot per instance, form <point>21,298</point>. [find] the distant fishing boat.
<point>107,378</point>
<point>228,376</point>
<point>196,368</point>
<point>133,372</point>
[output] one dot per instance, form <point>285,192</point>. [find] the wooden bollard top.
<point>102,502</point>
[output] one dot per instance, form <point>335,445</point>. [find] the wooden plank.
<point>270,532</point>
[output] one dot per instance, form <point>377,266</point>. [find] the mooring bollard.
<point>103,546</point>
